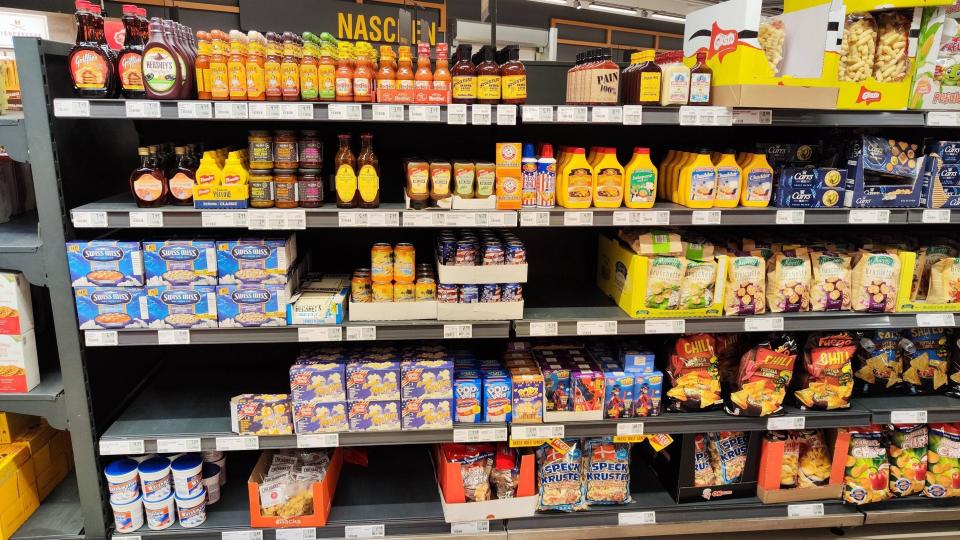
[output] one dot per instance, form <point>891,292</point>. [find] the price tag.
<point>276,219</point>
<point>88,219</point>
<point>241,535</point>
<point>189,110</point>
<point>344,111</point>
<point>178,446</point>
<point>264,111</point>
<point>137,108</point>
<point>705,217</point>
<point>943,119</point>
<point>462,219</point>
<point>545,328</point>
<point>361,333</point>
<point>607,115</point>
<point>424,113</point>
<point>936,216</point>
<point>629,428</point>
<point>534,113</point>
<point>742,117</point>
<point>364,531</point>
<point>71,108</point>
<point>928,320</point>
<point>231,111</point>
<point>577,219</point>
<point>320,333</point>
<point>689,116</point>
<point>572,115</point>
<point>696,115</point>
<point>665,326</point>
<point>101,338</point>
<point>534,219</point>
<point>470,527</point>
<point>297,534</point>
<point>368,219</point>
<point>861,217</point>
<point>763,324</point>
<point>469,435</point>
<point>387,113</point>
<point>805,510</point>
<point>637,518</point>
<point>540,431</point>
<point>128,447</point>
<point>128,536</point>
<point>243,442</point>
<point>296,111</point>
<point>457,331</point>
<point>173,337</point>
<point>502,219</point>
<point>318,440</point>
<point>424,219</point>
<point>778,423</point>
<point>507,115</point>
<point>908,417</point>
<point>641,217</point>
<point>223,219</point>
<point>633,115</point>
<point>791,217</point>
<point>146,219</point>
<point>480,115</point>
<point>596,328</point>
<point>456,114</point>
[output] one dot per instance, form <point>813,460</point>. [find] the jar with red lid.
<point>286,188</point>
<point>311,150</point>
<point>310,188</point>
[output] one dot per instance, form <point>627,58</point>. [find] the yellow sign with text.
<point>383,29</point>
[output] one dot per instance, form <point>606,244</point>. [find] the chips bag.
<point>791,456</point>
<point>560,477</point>
<point>926,355</point>
<point>875,278</point>
<point>763,378</point>
<point>607,471</point>
<point>788,283</point>
<point>953,384</point>
<point>728,358</point>
<point>664,276</point>
<point>943,461</point>
<point>907,454</point>
<point>879,363</point>
<point>865,476</point>
<point>814,464</point>
<point>830,285</point>
<point>745,286</point>
<point>728,455</point>
<point>926,258</point>
<point>694,374</point>
<point>945,282</point>
<point>703,474</point>
<point>697,289</point>
<point>476,461</point>
<point>826,381</point>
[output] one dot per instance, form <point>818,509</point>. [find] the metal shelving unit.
<point>45,400</point>
<point>911,510</point>
<point>20,248</point>
<point>13,136</point>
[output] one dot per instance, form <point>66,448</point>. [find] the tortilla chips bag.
<point>865,476</point>
<point>764,375</point>
<point>694,374</point>
<point>826,381</point>
<point>879,363</point>
<point>907,455</point>
<point>926,355</point>
<point>953,384</point>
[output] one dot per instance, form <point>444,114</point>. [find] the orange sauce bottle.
<point>309,75</point>
<point>423,78</point>
<point>271,68</point>
<point>327,74</point>
<point>405,70</point>
<point>441,77</point>
<point>363,80</point>
<point>387,75</point>
<point>255,66</point>
<point>203,66</point>
<point>290,69</point>
<point>237,66</point>
<point>344,81</point>
<point>219,78</point>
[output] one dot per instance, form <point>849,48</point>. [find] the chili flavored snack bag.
<point>788,283</point>
<point>830,285</point>
<point>879,363</point>
<point>607,471</point>
<point>728,455</point>
<point>875,277</point>
<point>943,461</point>
<point>560,477</point>
<point>664,277</point>
<point>814,463</point>
<point>865,476</point>
<point>703,474</point>
<point>826,381</point>
<point>926,355</point>
<point>696,291</point>
<point>763,378</point>
<point>694,374</point>
<point>745,286</point>
<point>907,454</point>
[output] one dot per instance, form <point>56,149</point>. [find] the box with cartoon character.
<point>936,77</point>
<point>317,417</point>
<point>424,413</point>
<point>317,382</point>
<point>426,379</point>
<point>105,263</point>
<point>618,396</point>
<point>365,415</point>
<point>588,390</point>
<point>646,394</point>
<point>373,381</point>
<point>497,399</point>
<point>261,414</point>
<point>527,396</point>
<point>468,396</point>
<point>556,387</point>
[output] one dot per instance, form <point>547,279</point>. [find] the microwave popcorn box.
<point>772,462</point>
<point>317,382</point>
<point>526,391</point>
<point>110,308</point>
<point>319,417</point>
<point>497,399</point>
<point>19,371</point>
<point>180,262</point>
<point>427,413</point>
<point>884,173</point>
<point>675,468</point>
<point>323,492</point>
<point>16,312</point>
<point>222,197</point>
<point>366,415</point>
<point>647,390</point>
<point>182,307</point>
<point>105,263</point>
<point>453,494</point>
<point>252,305</point>
<point>936,71</point>
<point>373,381</point>
<point>468,397</point>
<point>261,414</point>
<point>256,260</point>
<point>622,275</point>
<point>426,379</point>
<point>942,185</point>
<point>15,425</point>
<point>18,489</point>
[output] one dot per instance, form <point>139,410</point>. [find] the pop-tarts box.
<point>180,262</point>
<point>647,388</point>
<point>497,399</point>
<point>426,413</point>
<point>588,389</point>
<point>637,361</point>
<point>556,387</point>
<point>426,379</point>
<point>618,395</point>
<point>182,307</point>
<point>468,396</point>
<point>884,173</point>
<point>255,260</point>
<point>252,305</point>
<point>318,382</point>
<point>373,381</point>
<point>942,189</point>
<point>366,415</point>
<point>110,308</point>
<point>527,395</point>
<point>105,263</point>
<point>319,417</point>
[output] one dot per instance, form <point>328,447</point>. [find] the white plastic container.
<point>187,477</point>
<point>193,511</point>
<point>128,517</point>
<point>123,481</point>
<point>160,515</point>
<point>222,463</point>
<point>155,480</point>
<point>211,482</point>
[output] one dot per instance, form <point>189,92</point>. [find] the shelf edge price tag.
<point>534,219</point>
<point>805,510</point>
<point>457,331</point>
<point>361,333</point>
<point>419,218</point>
<point>65,108</point>
<point>101,338</point>
<point>908,417</point>
<point>637,518</point>
<point>364,531</point>
<point>705,217</point>
<point>535,113</point>
<point>470,527</point>
<point>543,328</point>
<point>230,110</point>
<point>791,217</point>
<point>606,115</point>
<point>468,435</point>
<point>122,447</point>
<point>932,320</point>
<point>943,118</point>
<point>84,220</point>
<point>241,535</point>
<point>633,115</point>
<point>537,432</point>
<point>424,113</point>
<point>752,117</point>
<point>173,337</point>
<point>763,324</point>
<point>629,432</point>
<point>941,215</point>
<point>779,423</point>
<point>318,440</point>
<point>146,219</point>
<point>178,446</point>
<point>141,108</point>
<point>596,328</point>
<point>480,115</point>
<point>568,114</point>
<point>303,533</point>
<point>664,326</point>
<point>864,217</point>
<point>507,115</point>
<point>344,111</point>
<point>320,333</point>
<point>578,219</point>
<point>239,442</point>
<point>641,217</point>
<point>194,109</point>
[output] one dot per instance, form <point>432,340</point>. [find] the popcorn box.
<point>426,379</point>
<point>468,397</point>
<point>255,260</point>
<point>110,308</point>
<point>942,185</point>
<point>884,173</point>
<point>322,495</point>
<point>618,395</point>
<point>366,415</point>
<point>180,262</point>
<point>261,414</point>
<point>426,413</point>
<point>373,381</point>
<point>527,396</point>
<point>252,305</point>
<point>936,73</point>
<point>497,399</point>
<point>19,371</point>
<point>319,417</point>
<point>647,390</point>
<point>317,382</point>
<point>772,454</point>
<point>16,312</point>
<point>105,263</point>
<point>182,307</point>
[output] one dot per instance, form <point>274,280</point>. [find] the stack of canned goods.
<point>472,293</point>
<point>394,276</point>
<point>484,249</point>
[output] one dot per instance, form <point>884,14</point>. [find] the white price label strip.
<point>469,435</point>
<point>791,217</point>
<point>763,324</point>
<point>232,111</point>
<point>130,447</point>
<point>128,536</point>
<point>146,219</point>
<point>908,417</point>
<point>804,510</point>
<point>178,446</point>
<point>276,219</point>
<point>320,333</point>
<point>364,531</point>
<point>344,111</point>
<point>629,428</point>
<point>457,331</point>
<point>368,219</point>
<point>545,431</point>
<point>297,534</point>
<point>456,114</point>
<point>934,320</point>
<point>534,219</point>
<point>481,115</point>
<point>637,518</point>
<point>865,217</point>
<point>665,326</point>
<point>507,115</point>
<point>296,111</point>
<point>242,442</point>
<point>535,113</point>
<point>577,219</point>
<point>361,333</point>
<point>136,108</point>
<point>607,115</point>
<point>241,535</point>
<point>572,115</point>
<point>173,337</point>
<point>223,219</point>
<point>936,216</point>
<point>705,217</point>
<point>194,109</point>
<point>544,328</point>
<point>387,113</point>
<point>424,113</point>
<point>641,217</point>
<point>943,119</point>
<point>263,111</point>
<point>778,423</point>
<point>318,440</point>
<point>470,527</point>
<point>752,117</point>
<point>633,115</point>
<point>417,218</point>
<point>596,328</point>
<point>89,219</point>
<point>101,338</point>
<point>71,107</point>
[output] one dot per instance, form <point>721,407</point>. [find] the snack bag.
<point>875,277</point>
<point>926,258</point>
<point>830,288</point>
<point>728,455</point>
<point>728,358</point>
<point>696,291</point>
<point>907,454</point>
<point>505,472</point>
<point>814,464</point>
<point>865,476</point>
<point>771,37</point>
<point>943,461</point>
<point>879,363</point>
<point>788,283</point>
<point>664,276</point>
<point>763,378</point>
<point>476,461</point>
<point>745,286</point>
<point>703,474</point>
<point>560,476</point>
<point>607,471</point>
<point>791,456</point>
<point>953,384</point>
<point>945,282</point>
<point>694,374</point>
<point>926,355</point>
<point>893,33</point>
<point>826,381</point>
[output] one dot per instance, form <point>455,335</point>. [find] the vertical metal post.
<point>493,24</point>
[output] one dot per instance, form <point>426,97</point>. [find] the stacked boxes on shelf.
<point>483,389</point>
<point>256,281</point>
<point>18,344</point>
<point>318,393</point>
<point>481,276</point>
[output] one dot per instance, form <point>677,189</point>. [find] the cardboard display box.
<point>771,461</point>
<point>675,466</point>
<point>393,311</point>
<point>453,501</point>
<point>500,273</point>
<point>480,311</point>
<point>908,264</point>
<point>322,495</point>
<point>18,488</point>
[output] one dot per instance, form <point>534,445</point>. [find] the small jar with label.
<point>261,189</point>
<point>286,188</point>
<point>311,150</point>
<point>285,154</point>
<point>260,150</point>
<point>310,188</point>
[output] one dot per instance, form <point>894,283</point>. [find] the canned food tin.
<point>426,289</point>
<point>511,292</point>
<point>361,286</point>
<point>516,253</point>
<point>490,292</point>
<point>381,263</point>
<point>404,292</point>
<point>447,293</point>
<point>404,257</point>
<point>447,249</point>
<point>466,253</point>
<point>383,292</point>
<point>492,254</point>
<point>469,294</point>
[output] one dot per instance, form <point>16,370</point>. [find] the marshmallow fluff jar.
<point>160,515</point>
<point>187,476</point>
<point>123,480</point>
<point>155,479</point>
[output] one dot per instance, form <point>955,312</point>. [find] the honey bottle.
<point>182,180</point>
<point>346,176</point>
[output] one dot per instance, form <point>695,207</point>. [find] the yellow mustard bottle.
<point>676,191</point>
<point>698,181</point>
<point>729,176</point>
<point>234,171</point>
<point>209,172</point>
<point>664,173</point>
<point>607,180</point>
<point>757,182</point>
<point>576,181</point>
<point>640,180</point>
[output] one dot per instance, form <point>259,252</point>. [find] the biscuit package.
<point>560,477</point>
<point>607,473</point>
<point>694,374</point>
<point>287,489</point>
<point>745,286</point>
<point>865,475</point>
<point>875,277</point>
<point>879,363</point>
<point>907,454</point>
<point>830,286</point>
<point>762,380</point>
<point>703,474</point>
<point>728,455</point>
<point>826,380</point>
<point>788,283</point>
<point>943,461</point>
<point>926,355</point>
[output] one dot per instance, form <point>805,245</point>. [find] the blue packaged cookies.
<point>884,173</point>
<point>942,189</point>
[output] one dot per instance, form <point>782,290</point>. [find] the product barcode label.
<point>507,115</point>
<point>419,218</point>
<point>641,217</point>
<point>943,118</point>
<point>424,113</point>
<point>457,114</point>
<point>232,111</point>
<point>470,527</point>
<point>481,115</point>
<point>361,333</point>
<point>933,320</point>
<point>778,423</point>
<point>173,337</point>
<point>368,219</point>
<point>457,331</point>
<point>146,219</point>
<point>130,447</point>
<point>263,111</point>
<point>629,428</point>
<point>344,111</point>
<point>318,440</point>
<point>571,115</point>
<point>791,217</point>
<point>297,534</point>
<point>534,219</point>
<point>908,417</point>
<point>544,328</point>
<point>705,217</point>
<point>637,518</point>
<point>936,216</point>
<point>101,338</point>
<point>242,442</point>
<point>223,219</point>
<point>763,324</point>
<point>241,535</point>
<point>535,113</point>
<point>861,217</point>
<point>320,333</point>
<point>696,115</point>
<point>364,531</point>
<point>189,110</point>
<point>577,219</point>
<point>805,510</point>
<point>128,536</point>
<point>178,446</point>
<point>258,220</point>
<point>88,219</point>
<point>665,326</point>
<point>470,435</point>
<point>296,111</point>
<point>543,431</point>
<point>607,115</point>
<point>596,328</point>
<point>387,113</point>
<point>137,108</point>
<point>71,107</point>
<point>633,115</point>
<point>742,117</point>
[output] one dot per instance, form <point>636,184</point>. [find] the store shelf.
<point>45,400</point>
<point>911,510</point>
<point>20,247</point>
<point>938,408</point>
<point>59,516</point>
<point>13,136</point>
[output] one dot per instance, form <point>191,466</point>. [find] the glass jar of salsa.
<point>286,188</point>
<point>311,150</point>
<point>285,154</point>
<point>261,189</point>
<point>260,150</point>
<point>310,188</point>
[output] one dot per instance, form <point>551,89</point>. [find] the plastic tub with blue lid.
<point>187,475</point>
<point>155,480</point>
<point>123,480</point>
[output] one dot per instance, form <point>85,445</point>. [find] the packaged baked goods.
<point>745,286</point>
<point>865,475</point>
<point>893,35</point>
<point>664,277</point>
<point>607,471</point>
<point>762,380</point>
<point>728,455</point>
<point>771,38</point>
<point>703,474</point>
<point>696,290</point>
<point>694,374</point>
<point>826,380</point>
<point>814,464</point>
<point>560,477</point>
<point>830,285</point>
<point>943,461</point>
<point>857,47</point>
<point>879,363</point>
<point>926,356</point>
<point>476,462</point>
<point>907,454</point>
<point>788,282</point>
<point>945,282</point>
<point>875,277</point>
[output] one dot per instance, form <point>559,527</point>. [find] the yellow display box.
<point>908,264</point>
<point>228,197</point>
<point>622,275</point>
<point>18,488</point>
<point>13,425</point>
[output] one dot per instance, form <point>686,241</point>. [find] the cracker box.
<point>936,76</point>
<point>497,399</point>
<point>16,312</point>
<point>365,415</point>
<point>180,262</point>
<point>884,173</point>
<point>588,389</point>
<point>527,396</point>
<point>317,382</point>
<point>942,188</point>
<point>19,371</point>
<point>255,261</point>
<point>373,381</point>
<point>468,397</point>
<point>252,305</point>
<point>319,417</point>
<point>110,308</point>
<point>426,379</point>
<point>261,414</point>
<point>647,388</point>
<point>182,307</point>
<point>105,263</point>
<point>425,413</point>
<point>618,395</point>
<point>556,387</point>
<point>810,187</point>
